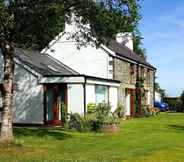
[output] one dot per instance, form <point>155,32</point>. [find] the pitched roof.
<point>43,63</point>
<point>125,52</point>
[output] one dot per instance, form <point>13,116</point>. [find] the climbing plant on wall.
<point>140,94</point>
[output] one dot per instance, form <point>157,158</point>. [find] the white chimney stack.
<point>125,39</point>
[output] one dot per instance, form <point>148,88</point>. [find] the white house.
<point>112,62</point>
<point>44,88</point>
<point>158,96</point>
<point>67,78</point>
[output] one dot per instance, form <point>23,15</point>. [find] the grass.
<point>154,139</point>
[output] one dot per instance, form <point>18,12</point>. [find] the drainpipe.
<point>84,90</point>
<point>154,88</point>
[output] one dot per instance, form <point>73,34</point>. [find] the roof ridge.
<point>124,52</point>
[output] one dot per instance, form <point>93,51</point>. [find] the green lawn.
<point>154,139</point>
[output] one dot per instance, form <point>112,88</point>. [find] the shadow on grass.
<point>41,133</point>
<point>177,127</point>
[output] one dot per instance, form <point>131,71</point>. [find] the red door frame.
<point>56,88</point>
<point>132,101</point>
<point>131,92</point>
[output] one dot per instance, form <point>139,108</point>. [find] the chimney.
<point>125,39</point>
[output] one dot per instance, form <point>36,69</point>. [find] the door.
<point>55,104</point>
<point>132,102</point>
<point>128,108</point>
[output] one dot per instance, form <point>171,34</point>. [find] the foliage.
<point>140,94</point>
<point>145,112</point>
<point>119,111</point>
<point>182,102</point>
<point>102,109</point>
<point>140,82</point>
<point>175,103</point>
<point>91,108</point>
<point>46,20</point>
<point>159,89</point>
<point>64,113</point>
<point>93,121</point>
<point>78,123</point>
<point>137,40</point>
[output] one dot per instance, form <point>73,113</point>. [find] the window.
<point>101,94</point>
<point>110,71</point>
<point>111,62</point>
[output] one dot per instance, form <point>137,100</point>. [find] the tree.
<point>180,103</point>
<point>33,24</point>
<point>138,49</point>
<point>160,90</point>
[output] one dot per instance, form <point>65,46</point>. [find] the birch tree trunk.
<point>7,94</point>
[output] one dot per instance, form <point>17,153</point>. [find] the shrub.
<point>93,121</point>
<point>79,123</point>
<point>104,116</point>
<point>120,111</point>
<point>145,112</point>
<point>91,108</point>
<point>103,109</point>
<point>75,122</point>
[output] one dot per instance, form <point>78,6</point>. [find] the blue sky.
<point>162,27</point>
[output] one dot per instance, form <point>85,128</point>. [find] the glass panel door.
<point>50,103</point>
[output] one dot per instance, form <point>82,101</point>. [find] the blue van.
<point>162,106</point>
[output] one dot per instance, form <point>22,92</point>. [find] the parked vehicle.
<point>162,106</point>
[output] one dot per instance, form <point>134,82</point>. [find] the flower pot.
<point>110,128</point>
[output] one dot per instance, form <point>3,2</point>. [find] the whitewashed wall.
<point>127,105</point>
<point>87,60</point>
<point>28,98</point>
<point>113,97</point>
<point>75,98</point>
<point>90,94</point>
<point>158,97</point>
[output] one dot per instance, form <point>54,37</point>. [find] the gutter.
<point>85,76</point>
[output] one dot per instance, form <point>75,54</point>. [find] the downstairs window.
<point>101,93</point>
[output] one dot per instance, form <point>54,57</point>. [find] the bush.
<point>93,121</point>
<point>145,112</point>
<point>75,122</point>
<point>80,123</point>
<point>91,108</point>
<point>103,109</point>
<point>120,111</point>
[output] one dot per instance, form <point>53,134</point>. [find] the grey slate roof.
<point>125,52</point>
<point>43,63</point>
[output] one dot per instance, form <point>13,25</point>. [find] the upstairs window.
<point>111,62</point>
